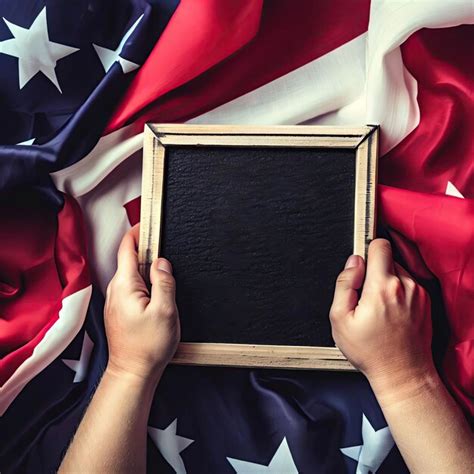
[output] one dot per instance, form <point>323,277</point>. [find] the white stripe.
<point>102,201</point>
<point>316,88</point>
<point>106,218</point>
<point>391,89</point>
<point>109,152</point>
<point>71,317</point>
<point>324,85</point>
<point>329,90</point>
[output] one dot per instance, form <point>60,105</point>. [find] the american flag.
<point>79,79</point>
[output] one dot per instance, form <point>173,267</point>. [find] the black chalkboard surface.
<point>257,227</point>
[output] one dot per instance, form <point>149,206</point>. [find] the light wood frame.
<point>157,137</point>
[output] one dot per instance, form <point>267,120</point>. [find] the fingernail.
<point>352,261</point>
<point>164,265</point>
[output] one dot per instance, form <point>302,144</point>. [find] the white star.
<point>374,448</point>
<point>281,463</point>
<point>80,366</point>
<point>170,445</point>
<point>34,51</point>
<point>451,190</point>
<point>109,56</point>
<point>27,142</point>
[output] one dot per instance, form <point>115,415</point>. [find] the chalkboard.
<point>257,224</point>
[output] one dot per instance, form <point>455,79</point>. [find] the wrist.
<point>398,386</point>
<point>140,379</point>
<point>127,391</point>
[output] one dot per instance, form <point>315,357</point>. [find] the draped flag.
<point>78,80</point>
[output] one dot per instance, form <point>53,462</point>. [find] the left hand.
<point>142,328</point>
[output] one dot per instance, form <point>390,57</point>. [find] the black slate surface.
<point>257,237</point>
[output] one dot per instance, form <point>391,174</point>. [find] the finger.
<point>379,261</point>
<point>401,271</point>
<point>163,286</point>
<point>407,280</point>
<point>127,257</point>
<point>135,231</point>
<point>348,283</point>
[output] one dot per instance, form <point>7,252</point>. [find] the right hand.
<point>142,328</point>
<point>387,333</point>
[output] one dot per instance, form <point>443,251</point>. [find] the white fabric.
<point>34,50</point>
<point>108,57</point>
<point>390,89</point>
<point>362,81</point>
<point>281,462</point>
<point>111,150</point>
<point>81,365</point>
<point>375,447</point>
<point>452,190</point>
<point>71,317</point>
<point>170,445</point>
<point>102,201</point>
<point>106,218</point>
<point>317,88</point>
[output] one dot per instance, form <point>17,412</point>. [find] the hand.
<point>387,333</point>
<point>142,330</point>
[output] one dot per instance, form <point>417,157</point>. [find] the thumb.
<point>163,285</point>
<point>348,282</point>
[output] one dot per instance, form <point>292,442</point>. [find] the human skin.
<point>142,331</point>
<point>386,334</point>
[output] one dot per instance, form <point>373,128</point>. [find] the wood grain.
<point>265,356</point>
<point>159,137</point>
<point>161,129</point>
<point>151,202</point>
<point>262,140</point>
<point>365,190</point>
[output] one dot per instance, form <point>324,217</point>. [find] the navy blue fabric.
<point>235,413</point>
<point>67,126</point>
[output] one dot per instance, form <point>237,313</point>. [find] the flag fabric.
<point>78,80</point>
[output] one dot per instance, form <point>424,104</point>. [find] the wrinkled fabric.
<point>43,259</point>
<point>442,231</point>
<point>259,62</point>
<point>439,229</point>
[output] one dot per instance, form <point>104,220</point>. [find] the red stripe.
<point>43,260</point>
<point>441,148</point>
<point>441,229</point>
<point>290,35</point>
<point>198,36</point>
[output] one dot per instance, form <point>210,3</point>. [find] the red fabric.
<point>132,208</point>
<point>435,233</point>
<point>441,148</point>
<point>239,47</point>
<point>442,228</point>
<point>272,42</point>
<point>198,36</point>
<point>42,260</point>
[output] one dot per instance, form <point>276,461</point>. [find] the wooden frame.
<point>364,140</point>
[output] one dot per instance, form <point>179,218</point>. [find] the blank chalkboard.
<point>257,224</point>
